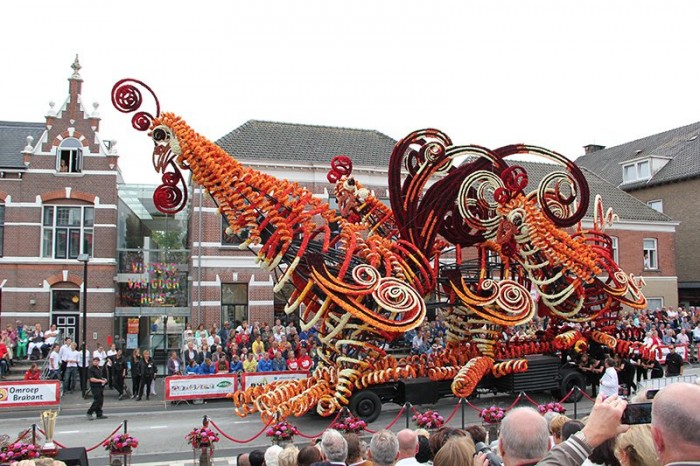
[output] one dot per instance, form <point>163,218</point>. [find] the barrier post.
<point>125,426</point>
<point>33,434</point>
<point>461,400</point>
<point>408,414</point>
<point>578,389</point>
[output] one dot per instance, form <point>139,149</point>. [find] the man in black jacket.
<point>97,383</point>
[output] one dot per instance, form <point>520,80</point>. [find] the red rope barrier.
<point>527,397</point>
<point>391,424</point>
<point>587,396</point>
<point>236,440</point>
<point>517,399</point>
<point>398,416</point>
<point>563,400</point>
<point>106,438</point>
<point>472,406</point>
<point>320,433</point>
<point>452,414</point>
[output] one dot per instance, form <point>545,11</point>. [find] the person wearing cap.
<point>674,362</point>
<point>97,383</point>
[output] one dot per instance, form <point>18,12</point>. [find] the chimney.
<point>590,148</point>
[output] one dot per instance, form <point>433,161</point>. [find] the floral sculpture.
<point>492,415</point>
<point>361,274</point>
<point>202,437</point>
<point>349,424</point>
<point>281,431</point>
<point>18,451</point>
<point>429,420</point>
<point>554,407</point>
<point>121,443</point>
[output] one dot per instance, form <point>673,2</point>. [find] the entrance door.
<point>67,324</point>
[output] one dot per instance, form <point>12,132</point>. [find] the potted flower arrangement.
<point>429,420</point>
<point>281,432</point>
<point>202,437</point>
<point>492,415</point>
<point>121,443</point>
<point>349,424</point>
<point>120,447</point>
<point>555,407</point>
<point>18,451</point>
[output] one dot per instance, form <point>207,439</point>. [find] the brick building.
<point>663,171</point>
<point>58,188</point>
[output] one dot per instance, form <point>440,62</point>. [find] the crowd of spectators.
<point>526,438</point>
<point>245,348</point>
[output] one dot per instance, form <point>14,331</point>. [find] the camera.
<point>494,459</point>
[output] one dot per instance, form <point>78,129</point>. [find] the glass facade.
<point>152,274</point>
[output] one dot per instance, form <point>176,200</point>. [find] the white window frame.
<point>615,244</point>
<point>650,255</point>
<point>637,171</point>
<point>658,202</point>
<point>52,228</point>
<point>71,152</point>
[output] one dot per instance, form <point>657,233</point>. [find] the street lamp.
<point>84,258</point>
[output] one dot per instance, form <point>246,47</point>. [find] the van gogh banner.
<point>193,387</point>
<point>30,393</point>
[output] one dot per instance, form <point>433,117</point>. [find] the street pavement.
<point>161,427</point>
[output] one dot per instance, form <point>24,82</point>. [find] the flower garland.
<point>18,451</point>
<point>202,437</point>
<point>349,424</point>
<point>555,407</point>
<point>492,415</point>
<point>281,430</point>
<point>121,443</point>
<point>429,420</point>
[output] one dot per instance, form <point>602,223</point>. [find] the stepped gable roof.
<point>13,140</point>
<point>297,143</point>
<point>680,145</point>
<point>627,207</point>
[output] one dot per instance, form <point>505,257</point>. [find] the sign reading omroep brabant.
<point>29,393</point>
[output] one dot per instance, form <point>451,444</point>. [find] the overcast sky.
<point>559,74</point>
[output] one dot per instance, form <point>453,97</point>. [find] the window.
<point>2,228</point>
<point>70,156</point>
<point>657,205</point>
<point>636,171</point>
<point>234,302</point>
<point>67,231</point>
<point>651,259</point>
<point>655,303</point>
<point>615,249</point>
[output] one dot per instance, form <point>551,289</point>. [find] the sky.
<point>559,74</point>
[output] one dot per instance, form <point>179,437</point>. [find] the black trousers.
<point>145,382</point>
<point>135,384</point>
<point>97,399</point>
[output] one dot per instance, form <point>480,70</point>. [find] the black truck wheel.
<point>366,405</point>
<point>570,378</point>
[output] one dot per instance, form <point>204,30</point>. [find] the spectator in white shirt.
<point>54,363</point>
<point>70,358</point>
<point>102,354</point>
<point>609,384</point>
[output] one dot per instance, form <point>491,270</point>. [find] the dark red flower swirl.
<point>168,197</point>
<point>141,121</point>
<point>341,165</point>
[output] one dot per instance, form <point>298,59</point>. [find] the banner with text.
<point>194,387</point>
<point>29,393</point>
<point>249,379</point>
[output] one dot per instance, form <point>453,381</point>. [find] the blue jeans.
<point>69,378</point>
